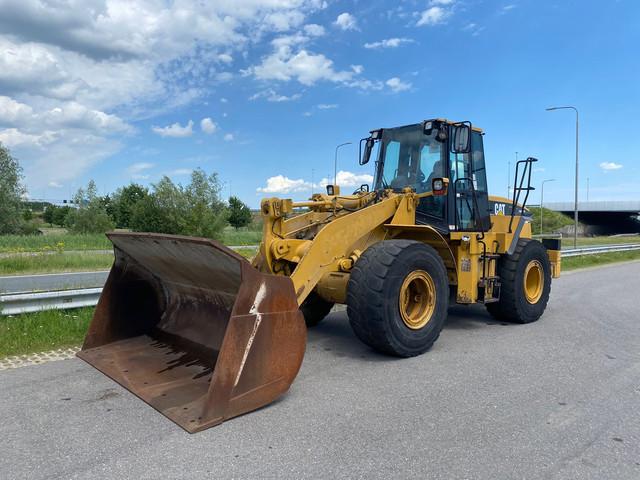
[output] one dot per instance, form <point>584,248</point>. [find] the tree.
<point>239,213</point>
<point>49,213</point>
<point>91,215</point>
<point>206,214</point>
<point>194,210</point>
<point>123,202</point>
<point>11,191</point>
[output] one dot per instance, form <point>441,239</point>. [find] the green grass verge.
<point>573,263</point>
<point>231,236</point>
<point>53,242</point>
<point>567,242</point>
<point>54,262</point>
<point>43,331</point>
<point>247,253</point>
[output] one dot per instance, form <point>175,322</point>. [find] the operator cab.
<point>416,155</point>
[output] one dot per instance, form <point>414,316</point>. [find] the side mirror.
<point>439,186</point>
<point>461,139</point>
<point>368,147</point>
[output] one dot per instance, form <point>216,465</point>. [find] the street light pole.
<point>335,162</point>
<point>575,207</point>
<point>542,200</point>
<point>587,189</point>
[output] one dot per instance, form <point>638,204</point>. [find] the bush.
<point>60,215</point>
<point>30,228</point>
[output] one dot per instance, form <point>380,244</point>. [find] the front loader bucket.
<point>194,330</point>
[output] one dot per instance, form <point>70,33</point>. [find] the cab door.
<point>468,196</point>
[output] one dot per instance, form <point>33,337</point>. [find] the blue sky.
<point>261,91</point>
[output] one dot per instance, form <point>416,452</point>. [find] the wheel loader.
<point>203,335</point>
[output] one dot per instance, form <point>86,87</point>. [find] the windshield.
<point>409,159</point>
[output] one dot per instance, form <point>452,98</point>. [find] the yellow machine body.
<point>318,248</point>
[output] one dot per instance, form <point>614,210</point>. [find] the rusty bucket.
<point>191,328</point>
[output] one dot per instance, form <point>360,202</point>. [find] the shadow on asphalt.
<point>334,335</point>
<point>467,317</point>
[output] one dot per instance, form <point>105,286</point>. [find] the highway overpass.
<point>604,217</point>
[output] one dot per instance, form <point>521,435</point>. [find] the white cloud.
<point>282,184</point>
<point>136,170</point>
<point>609,166</point>
<point>397,85</point>
<point>224,100</point>
<point>473,28</point>
<point>349,179</point>
<point>55,185</point>
<point>175,130</point>
<point>272,96</point>
<point>228,137</point>
<point>67,116</point>
<point>388,43</point>
<point>327,106</point>
<point>433,16</point>
<point>346,21</point>
<point>314,30</point>
<point>225,57</point>
<point>306,67</point>
<point>284,20</point>
<point>208,126</point>
<point>181,171</point>
<point>12,137</point>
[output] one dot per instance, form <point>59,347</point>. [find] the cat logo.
<point>499,208</point>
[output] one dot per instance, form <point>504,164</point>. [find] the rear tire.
<point>398,296</point>
<point>525,280</point>
<point>314,309</point>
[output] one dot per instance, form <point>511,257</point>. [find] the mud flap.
<point>191,328</point>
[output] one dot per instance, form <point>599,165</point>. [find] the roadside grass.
<point>55,262</point>
<point>247,253</point>
<point>60,241</point>
<point>567,242</point>
<point>53,242</point>
<point>43,331</point>
<point>573,263</point>
<point>242,236</point>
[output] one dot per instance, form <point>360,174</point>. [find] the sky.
<point>262,91</point>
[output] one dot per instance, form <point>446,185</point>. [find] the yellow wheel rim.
<point>533,281</point>
<point>417,299</point>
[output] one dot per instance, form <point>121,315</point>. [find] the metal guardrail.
<point>576,252</point>
<point>15,303</point>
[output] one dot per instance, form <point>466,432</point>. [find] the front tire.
<point>525,278</point>
<point>314,309</point>
<point>398,296</point>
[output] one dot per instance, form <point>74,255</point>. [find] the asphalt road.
<point>556,399</point>
<point>52,281</point>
